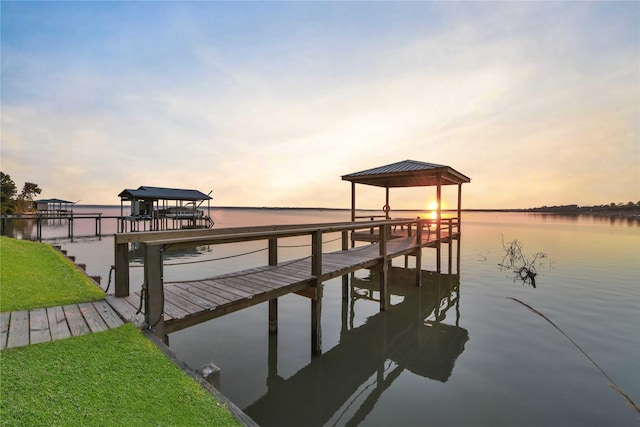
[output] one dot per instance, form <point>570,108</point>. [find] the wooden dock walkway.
<point>169,307</point>
<point>25,327</point>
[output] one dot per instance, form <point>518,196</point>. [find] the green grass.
<point>117,377</point>
<point>34,275</point>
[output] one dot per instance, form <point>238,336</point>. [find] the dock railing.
<point>154,246</point>
<point>191,238</point>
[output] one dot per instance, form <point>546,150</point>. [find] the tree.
<point>29,190</point>
<point>7,193</point>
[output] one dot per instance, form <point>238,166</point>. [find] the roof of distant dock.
<point>54,201</point>
<point>147,193</point>
<point>408,173</point>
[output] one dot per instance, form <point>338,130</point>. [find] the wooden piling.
<point>316,303</point>
<point>418,253</point>
<point>154,298</point>
<point>384,267</point>
<point>273,304</point>
<point>121,257</point>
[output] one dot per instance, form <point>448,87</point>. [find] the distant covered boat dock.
<point>53,207</point>
<point>164,209</point>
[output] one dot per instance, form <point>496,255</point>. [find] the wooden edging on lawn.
<point>82,267</point>
<point>242,418</point>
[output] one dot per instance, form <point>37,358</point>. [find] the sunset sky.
<point>269,104</point>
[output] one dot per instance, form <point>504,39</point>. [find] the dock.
<point>170,307</point>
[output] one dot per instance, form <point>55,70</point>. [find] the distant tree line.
<point>613,208</point>
<point>13,202</point>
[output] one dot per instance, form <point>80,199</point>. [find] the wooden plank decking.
<point>25,327</point>
<point>192,302</point>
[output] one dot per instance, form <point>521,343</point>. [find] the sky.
<point>270,103</point>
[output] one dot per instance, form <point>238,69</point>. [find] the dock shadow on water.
<point>420,333</point>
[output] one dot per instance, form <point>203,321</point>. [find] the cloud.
<point>511,96</point>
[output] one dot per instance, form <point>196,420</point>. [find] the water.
<point>479,359</point>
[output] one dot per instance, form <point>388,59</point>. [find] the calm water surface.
<point>456,351</point>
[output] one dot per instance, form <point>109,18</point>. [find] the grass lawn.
<point>34,275</point>
<point>116,377</point>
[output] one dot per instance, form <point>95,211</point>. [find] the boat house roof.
<point>408,173</point>
<point>54,201</point>
<point>159,193</point>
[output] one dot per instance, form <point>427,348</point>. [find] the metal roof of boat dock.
<point>53,201</point>
<point>146,192</point>
<point>408,173</point>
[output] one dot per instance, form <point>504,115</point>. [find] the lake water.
<point>457,351</point>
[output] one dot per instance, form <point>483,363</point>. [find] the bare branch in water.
<point>613,385</point>
<point>515,260</point>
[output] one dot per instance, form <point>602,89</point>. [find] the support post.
<point>450,254</point>
<point>273,304</point>
<point>384,268</point>
<point>386,212</point>
<point>438,226</point>
<point>121,259</point>
<point>459,206</point>
<point>273,251</point>
<point>353,201</point>
<point>154,298</point>
<point>316,303</point>
<point>345,278</point>
<point>419,253</point>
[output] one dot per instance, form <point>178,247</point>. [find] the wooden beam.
<point>273,251</point>
<point>418,253</point>
<point>273,304</point>
<point>384,268</point>
<point>353,201</point>
<point>316,304</point>
<point>154,298</point>
<point>386,213</point>
<point>310,292</point>
<point>121,259</point>
<point>345,278</point>
<point>459,206</point>
<point>438,225</point>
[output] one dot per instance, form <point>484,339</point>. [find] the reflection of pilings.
<point>371,355</point>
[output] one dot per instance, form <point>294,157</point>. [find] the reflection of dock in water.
<point>345,382</point>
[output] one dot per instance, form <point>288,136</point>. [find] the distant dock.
<point>125,223</point>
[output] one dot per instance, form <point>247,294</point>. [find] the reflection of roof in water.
<point>445,343</point>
